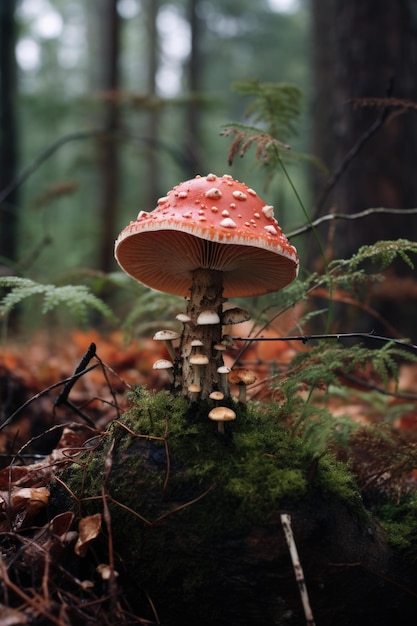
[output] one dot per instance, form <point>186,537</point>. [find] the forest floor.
<point>47,416</point>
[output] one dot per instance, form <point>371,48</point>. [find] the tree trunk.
<point>108,191</point>
<point>360,49</point>
<point>8,131</point>
<point>153,122</point>
<point>365,50</point>
<point>194,160</point>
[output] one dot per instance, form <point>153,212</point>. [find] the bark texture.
<point>205,295</point>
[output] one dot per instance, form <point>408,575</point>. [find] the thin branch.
<point>355,149</point>
<point>346,216</point>
<point>306,338</point>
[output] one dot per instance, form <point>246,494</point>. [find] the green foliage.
<point>276,106</point>
<point>399,520</point>
<point>381,254</point>
<point>273,114</point>
<point>255,467</point>
<point>76,298</point>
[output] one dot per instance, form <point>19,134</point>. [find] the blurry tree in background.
<point>105,21</point>
<point>8,130</point>
<point>365,131</point>
<point>365,60</point>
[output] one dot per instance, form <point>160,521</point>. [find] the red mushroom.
<point>208,239</point>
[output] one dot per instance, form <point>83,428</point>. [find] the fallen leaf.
<point>88,528</point>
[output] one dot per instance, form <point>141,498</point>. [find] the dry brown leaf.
<point>88,528</point>
<point>19,506</point>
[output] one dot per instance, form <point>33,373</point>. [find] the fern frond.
<point>384,252</point>
<point>276,105</point>
<point>77,298</point>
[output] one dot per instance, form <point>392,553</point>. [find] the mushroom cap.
<point>199,359</point>
<point>216,395</point>
<point>162,364</point>
<point>166,335</point>
<point>235,315</point>
<point>241,376</point>
<point>211,222</point>
<point>222,414</point>
<point>206,318</point>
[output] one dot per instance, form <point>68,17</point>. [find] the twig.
<point>298,570</point>
<point>355,149</point>
<point>36,602</point>
<point>85,360</point>
<point>346,216</point>
<point>44,392</point>
<point>337,336</point>
<point>107,519</point>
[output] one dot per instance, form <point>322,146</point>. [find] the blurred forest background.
<point>106,104</point>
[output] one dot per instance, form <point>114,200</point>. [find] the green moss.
<point>188,488</point>
<point>400,523</point>
<point>256,465</point>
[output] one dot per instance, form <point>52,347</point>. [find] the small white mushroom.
<point>168,336</point>
<point>164,364</point>
<point>219,348</point>
<point>183,318</point>
<point>194,390</point>
<point>217,396</point>
<point>208,317</point>
<point>223,370</point>
<point>242,378</point>
<point>221,414</point>
<point>235,315</point>
<point>198,361</point>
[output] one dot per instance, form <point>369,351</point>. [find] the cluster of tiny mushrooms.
<point>208,239</point>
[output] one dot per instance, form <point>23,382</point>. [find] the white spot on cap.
<point>252,192</point>
<point>214,209</point>
<point>211,177</point>
<point>268,211</point>
<point>271,229</point>
<point>228,223</point>
<point>239,195</point>
<point>225,213</point>
<point>163,200</point>
<point>182,194</point>
<point>142,214</point>
<point>213,193</point>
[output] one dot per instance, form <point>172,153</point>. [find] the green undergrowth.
<point>399,520</point>
<point>167,453</point>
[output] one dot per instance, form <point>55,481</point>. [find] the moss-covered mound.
<point>196,519</point>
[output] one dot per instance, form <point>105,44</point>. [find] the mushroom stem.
<point>242,393</point>
<point>206,294</point>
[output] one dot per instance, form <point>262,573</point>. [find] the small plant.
<point>77,298</point>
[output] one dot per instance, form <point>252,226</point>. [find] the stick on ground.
<point>298,570</point>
